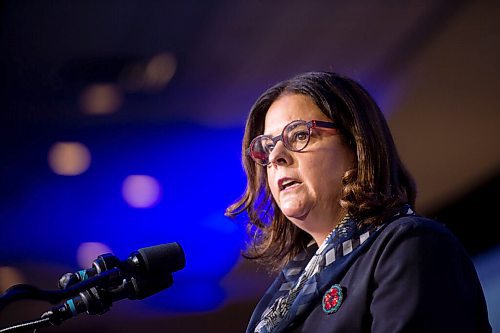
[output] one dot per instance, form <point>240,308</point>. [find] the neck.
<point>320,236</point>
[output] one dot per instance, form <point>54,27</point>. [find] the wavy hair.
<point>375,188</point>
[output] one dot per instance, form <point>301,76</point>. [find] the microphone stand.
<point>95,296</point>
<point>93,301</point>
<point>141,275</point>
<point>26,291</point>
<point>28,325</point>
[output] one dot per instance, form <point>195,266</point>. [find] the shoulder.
<point>415,225</point>
<point>414,236</point>
<point>424,254</point>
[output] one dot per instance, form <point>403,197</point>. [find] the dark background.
<point>431,65</point>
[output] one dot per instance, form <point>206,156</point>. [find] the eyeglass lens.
<point>295,137</point>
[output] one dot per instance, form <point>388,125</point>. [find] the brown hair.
<point>376,188</point>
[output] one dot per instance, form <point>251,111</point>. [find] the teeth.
<point>287,183</point>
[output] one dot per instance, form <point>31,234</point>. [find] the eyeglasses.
<point>295,137</point>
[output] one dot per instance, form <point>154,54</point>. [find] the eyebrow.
<point>282,128</point>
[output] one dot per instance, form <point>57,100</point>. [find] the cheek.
<point>328,174</point>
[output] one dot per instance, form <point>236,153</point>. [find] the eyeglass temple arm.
<point>325,124</point>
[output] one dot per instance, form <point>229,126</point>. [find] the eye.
<point>300,136</point>
<point>269,146</point>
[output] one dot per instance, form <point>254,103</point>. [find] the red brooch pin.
<point>333,299</point>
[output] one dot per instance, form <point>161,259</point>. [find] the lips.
<point>285,183</point>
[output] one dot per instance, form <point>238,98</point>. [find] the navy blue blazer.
<point>412,275</point>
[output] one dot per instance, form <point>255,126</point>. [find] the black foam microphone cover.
<point>162,258</point>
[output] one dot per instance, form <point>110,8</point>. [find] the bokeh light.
<point>160,70</point>
<point>101,99</point>
<point>141,191</point>
<point>69,158</point>
<point>87,252</point>
<point>9,276</point>
<point>149,76</point>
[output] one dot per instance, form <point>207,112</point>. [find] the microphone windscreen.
<point>163,258</point>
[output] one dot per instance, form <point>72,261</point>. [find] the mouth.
<point>285,183</point>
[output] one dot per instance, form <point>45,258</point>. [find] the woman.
<point>331,205</point>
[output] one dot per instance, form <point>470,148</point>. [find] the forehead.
<point>288,108</point>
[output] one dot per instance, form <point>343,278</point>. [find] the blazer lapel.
<point>337,260</point>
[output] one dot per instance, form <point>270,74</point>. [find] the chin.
<point>294,209</point>
<point>297,218</point>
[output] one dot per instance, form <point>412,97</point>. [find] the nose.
<point>280,155</point>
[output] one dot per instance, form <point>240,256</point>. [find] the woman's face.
<point>307,185</point>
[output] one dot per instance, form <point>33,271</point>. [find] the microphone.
<point>144,273</point>
<point>148,261</point>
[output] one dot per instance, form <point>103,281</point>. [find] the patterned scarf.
<point>299,286</point>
